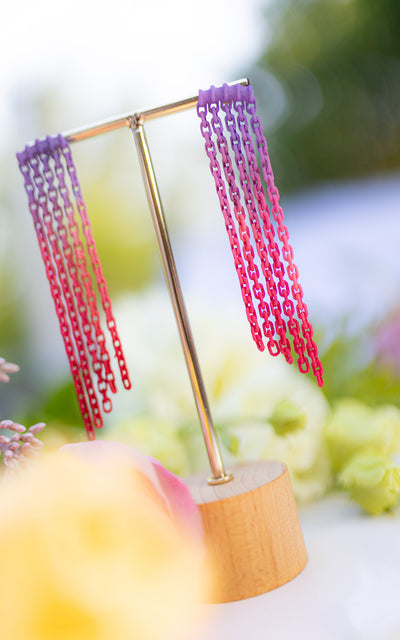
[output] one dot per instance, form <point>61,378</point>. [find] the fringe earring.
<point>230,143</point>
<point>55,198</point>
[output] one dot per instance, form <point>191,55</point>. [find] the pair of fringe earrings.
<point>268,277</point>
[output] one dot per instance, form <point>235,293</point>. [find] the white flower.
<point>245,388</point>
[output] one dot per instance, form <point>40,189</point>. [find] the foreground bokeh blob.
<point>91,551</point>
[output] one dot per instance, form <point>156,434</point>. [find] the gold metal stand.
<point>252,530</point>
<point>136,123</point>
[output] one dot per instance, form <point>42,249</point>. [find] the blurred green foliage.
<point>11,322</point>
<point>11,326</point>
<point>128,255</point>
<point>352,369</point>
<point>57,406</point>
<point>335,112</point>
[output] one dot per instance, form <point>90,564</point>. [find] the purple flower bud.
<point>14,426</point>
<point>23,444</point>
<point>25,449</point>
<point>26,437</point>
<point>36,443</point>
<point>9,367</point>
<point>5,424</point>
<point>10,462</point>
<point>37,428</point>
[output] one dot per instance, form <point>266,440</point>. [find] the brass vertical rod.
<point>219,474</point>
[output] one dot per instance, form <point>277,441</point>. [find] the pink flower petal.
<point>37,428</point>
<point>180,499</point>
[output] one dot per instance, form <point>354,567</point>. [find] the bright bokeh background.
<point>325,74</point>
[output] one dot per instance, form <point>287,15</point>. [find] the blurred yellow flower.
<point>373,481</point>
<point>355,428</point>
<point>91,553</point>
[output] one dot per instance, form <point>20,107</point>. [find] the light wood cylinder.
<point>252,530</point>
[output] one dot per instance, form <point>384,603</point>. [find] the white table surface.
<point>349,590</point>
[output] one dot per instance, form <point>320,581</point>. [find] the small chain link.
<point>56,294</point>
<point>58,258</point>
<point>273,195</point>
<point>283,287</point>
<point>70,283</point>
<point>241,99</point>
<point>211,152</point>
<point>244,233</point>
<point>76,293</point>
<point>230,123</point>
<point>96,266</point>
<point>101,361</point>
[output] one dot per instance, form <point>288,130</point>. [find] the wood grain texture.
<point>252,530</point>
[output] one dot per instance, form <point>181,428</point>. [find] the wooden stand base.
<point>252,530</point>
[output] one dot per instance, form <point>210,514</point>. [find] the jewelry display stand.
<point>252,530</point>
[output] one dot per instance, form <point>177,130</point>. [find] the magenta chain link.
<point>101,360</point>
<point>63,276</point>
<point>241,98</point>
<point>293,325</point>
<point>284,345</point>
<point>276,308</point>
<point>273,195</point>
<point>244,233</point>
<point>42,166</point>
<point>74,269</point>
<point>56,294</point>
<point>211,152</point>
<point>96,265</point>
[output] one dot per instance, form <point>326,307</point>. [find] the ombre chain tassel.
<point>53,201</point>
<point>230,126</point>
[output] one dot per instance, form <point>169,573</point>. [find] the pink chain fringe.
<point>251,226</point>
<point>44,167</point>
